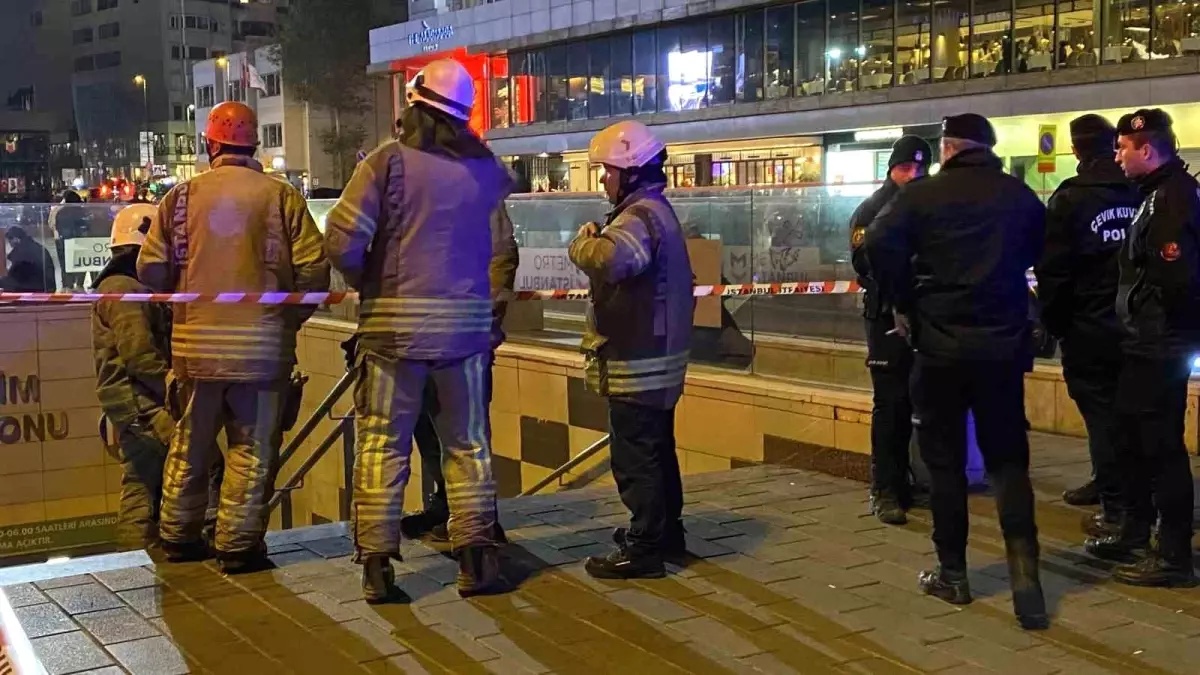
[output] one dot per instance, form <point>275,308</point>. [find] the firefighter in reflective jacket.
<point>130,342</point>
<point>412,233</point>
<point>636,346</point>
<point>227,230</point>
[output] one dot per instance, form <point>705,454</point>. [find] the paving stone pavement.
<point>790,576</point>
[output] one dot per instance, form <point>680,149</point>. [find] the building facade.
<point>812,91</point>
<point>132,84</point>
<point>289,130</point>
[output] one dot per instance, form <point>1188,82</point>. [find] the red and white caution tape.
<point>724,291</point>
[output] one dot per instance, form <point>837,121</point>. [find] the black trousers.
<point>1153,461</point>
<point>943,391</point>
<point>1092,383</point>
<point>890,360</point>
<point>646,470</point>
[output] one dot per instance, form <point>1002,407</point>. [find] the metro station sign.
<point>429,35</point>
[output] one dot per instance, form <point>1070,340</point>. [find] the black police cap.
<point>1090,128</point>
<point>1144,120</point>
<point>910,149</point>
<point>969,127</point>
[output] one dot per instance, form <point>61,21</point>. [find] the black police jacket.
<point>951,252</point>
<point>1158,299</point>
<point>865,213</point>
<point>1086,222</point>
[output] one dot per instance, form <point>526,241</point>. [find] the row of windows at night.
<point>824,46</point>
<point>106,31</point>
<point>81,7</point>
<point>97,61</point>
<point>206,95</point>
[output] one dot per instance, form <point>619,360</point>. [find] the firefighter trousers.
<point>388,402</point>
<point>141,456</point>
<point>250,414</point>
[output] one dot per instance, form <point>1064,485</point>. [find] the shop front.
<point>491,103</point>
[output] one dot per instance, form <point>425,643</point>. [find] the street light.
<point>140,81</point>
<point>191,115</point>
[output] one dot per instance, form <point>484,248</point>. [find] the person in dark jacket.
<point>1157,302</point>
<point>889,356</point>
<point>1086,221</point>
<point>31,265</point>
<point>950,253</point>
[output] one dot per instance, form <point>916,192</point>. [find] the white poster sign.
<point>543,269</point>
<point>87,254</point>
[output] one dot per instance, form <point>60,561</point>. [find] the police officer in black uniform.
<point>889,356</point>
<point>1158,301</point>
<point>1086,221</point>
<point>950,253</point>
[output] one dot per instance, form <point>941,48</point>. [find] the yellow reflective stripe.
<point>634,386</point>
<point>641,255</point>
<point>428,305</point>
<point>643,366</point>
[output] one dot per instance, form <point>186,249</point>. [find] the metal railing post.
<point>310,425</point>
<point>575,461</point>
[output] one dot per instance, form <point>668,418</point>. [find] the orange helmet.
<point>233,123</point>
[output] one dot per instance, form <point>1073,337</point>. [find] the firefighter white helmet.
<point>625,145</point>
<point>131,225</point>
<point>446,85</point>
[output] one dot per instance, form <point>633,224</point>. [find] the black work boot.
<point>1029,603</point>
<point>673,549</point>
<point>946,584</point>
<point>1169,565</point>
<point>379,580</point>
<point>245,562</point>
<point>1127,546</point>
<point>1106,523</point>
<point>1084,495</point>
<point>479,571</point>
<point>887,508</point>
<point>625,563</point>
<point>432,521</point>
<point>192,551</point>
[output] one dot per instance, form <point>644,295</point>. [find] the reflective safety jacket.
<point>130,341</point>
<point>234,229</point>
<point>639,323</point>
<point>413,233</point>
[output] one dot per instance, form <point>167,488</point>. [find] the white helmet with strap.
<point>625,145</point>
<point>446,85</point>
<point>131,225</point>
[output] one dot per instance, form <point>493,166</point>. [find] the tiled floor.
<point>791,576</point>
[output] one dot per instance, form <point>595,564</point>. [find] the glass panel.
<point>913,37</point>
<point>577,79</point>
<point>845,49</point>
<point>500,91</point>
<point>877,38</point>
<point>670,69</point>
<point>697,65</point>
<point>1176,29</point>
<point>1076,44</point>
<point>810,47</point>
<point>1034,28</point>
<point>645,88</point>
<point>951,26</point>
<point>521,100</point>
<point>750,56</point>
<point>722,51</point>
<point>1126,31</point>
<point>554,61</point>
<point>991,39</point>
<point>599,73</point>
<point>781,51</point>
<point>620,81</point>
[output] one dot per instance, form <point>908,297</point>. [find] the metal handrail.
<point>575,461</point>
<point>343,430</point>
<point>310,425</point>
